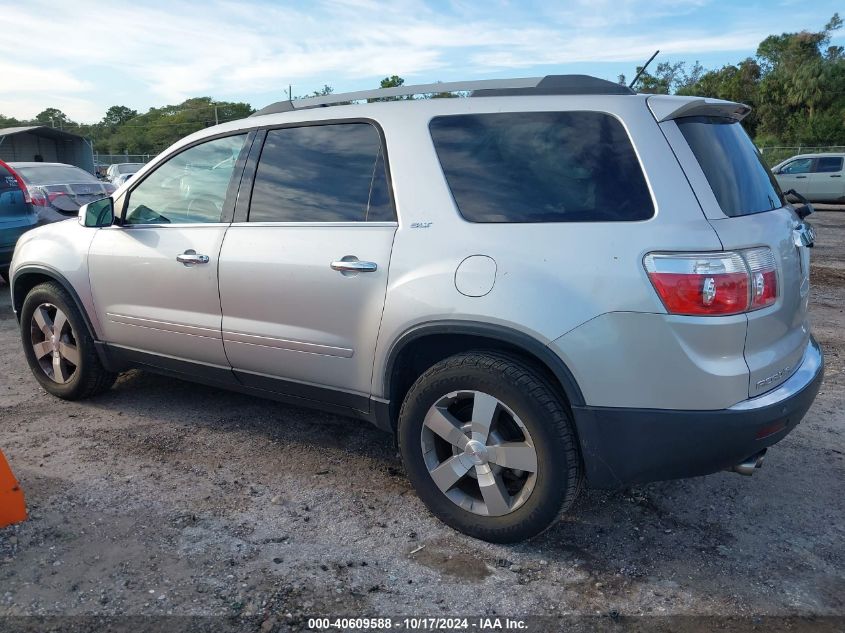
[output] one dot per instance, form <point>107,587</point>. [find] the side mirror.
<point>97,214</point>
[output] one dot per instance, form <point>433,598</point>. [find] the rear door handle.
<point>836,176</point>
<point>800,176</point>
<point>351,264</point>
<point>191,257</point>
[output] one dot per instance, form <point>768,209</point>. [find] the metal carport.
<point>52,145</point>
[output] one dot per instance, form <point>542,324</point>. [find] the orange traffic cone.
<point>12,505</point>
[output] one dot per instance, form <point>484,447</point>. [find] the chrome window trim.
<point>171,225</point>
<point>350,223</point>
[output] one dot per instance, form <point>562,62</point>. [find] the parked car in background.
<point>57,190</point>
<point>119,169</point>
<point>17,214</point>
<point>817,177</point>
<point>122,178</point>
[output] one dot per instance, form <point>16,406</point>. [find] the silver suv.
<point>547,283</point>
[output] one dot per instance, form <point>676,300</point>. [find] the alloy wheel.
<point>479,453</point>
<point>54,343</point>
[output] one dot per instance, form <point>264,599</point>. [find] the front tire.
<point>58,347</point>
<point>489,447</point>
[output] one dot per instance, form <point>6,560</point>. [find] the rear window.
<point>129,168</point>
<point>828,164</point>
<point>541,167</point>
<point>740,180</point>
<point>54,175</point>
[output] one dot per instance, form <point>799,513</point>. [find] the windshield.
<point>129,168</point>
<point>740,180</point>
<point>54,174</point>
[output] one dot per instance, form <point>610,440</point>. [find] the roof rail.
<point>548,85</point>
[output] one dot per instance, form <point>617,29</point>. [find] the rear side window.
<point>827,164</point>
<point>740,180</point>
<point>11,196</point>
<point>322,173</point>
<point>541,167</point>
<point>7,180</point>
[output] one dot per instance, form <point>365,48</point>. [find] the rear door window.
<point>322,173</point>
<point>541,167</point>
<point>740,180</point>
<point>828,164</point>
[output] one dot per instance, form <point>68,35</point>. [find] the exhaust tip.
<point>750,464</point>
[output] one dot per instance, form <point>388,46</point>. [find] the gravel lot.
<point>165,497</point>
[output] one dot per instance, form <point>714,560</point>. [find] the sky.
<point>83,56</point>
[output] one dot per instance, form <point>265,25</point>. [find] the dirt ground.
<point>165,497</point>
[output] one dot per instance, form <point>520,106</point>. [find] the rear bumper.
<point>630,446</point>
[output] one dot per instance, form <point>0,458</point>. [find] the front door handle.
<point>836,176</point>
<point>191,257</point>
<point>351,264</point>
<point>800,176</point>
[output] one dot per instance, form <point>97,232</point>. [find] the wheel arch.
<point>423,345</point>
<point>27,277</point>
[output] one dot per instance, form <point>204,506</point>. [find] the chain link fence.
<point>111,159</point>
<point>774,155</point>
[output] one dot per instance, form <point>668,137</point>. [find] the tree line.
<point>795,84</point>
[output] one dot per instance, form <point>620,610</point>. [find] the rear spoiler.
<point>666,108</point>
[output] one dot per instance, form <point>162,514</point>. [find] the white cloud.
<point>26,106</point>
<point>24,78</point>
<point>158,51</point>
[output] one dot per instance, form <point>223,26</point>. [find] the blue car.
<point>17,214</point>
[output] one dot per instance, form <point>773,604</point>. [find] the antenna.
<point>642,70</point>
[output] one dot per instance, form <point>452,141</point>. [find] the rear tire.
<point>480,483</point>
<point>58,346</point>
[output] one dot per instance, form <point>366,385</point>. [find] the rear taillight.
<point>46,196</point>
<point>764,277</point>
<point>713,283</point>
<point>37,197</point>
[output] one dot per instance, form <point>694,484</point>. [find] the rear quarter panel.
<point>551,277</point>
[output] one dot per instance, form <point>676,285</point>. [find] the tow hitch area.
<point>749,465</point>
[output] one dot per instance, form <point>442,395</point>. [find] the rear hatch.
<point>744,204</point>
<point>64,188</point>
<point>69,197</point>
